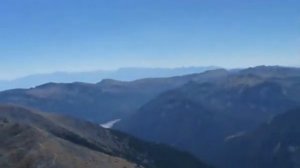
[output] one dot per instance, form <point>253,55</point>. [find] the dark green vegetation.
<point>201,116</point>
<point>275,144</point>
<point>101,102</point>
<point>33,139</point>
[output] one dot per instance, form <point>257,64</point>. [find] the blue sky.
<point>40,36</point>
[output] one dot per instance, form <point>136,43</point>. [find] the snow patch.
<point>293,148</point>
<point>277,147</point>
<point>110,124</point>
<point>234,136</point>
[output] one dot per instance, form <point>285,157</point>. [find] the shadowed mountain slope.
<point>33,139</point>
<point>275,144</point>
<point>200,116</point>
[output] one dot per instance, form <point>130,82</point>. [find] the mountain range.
<point>124,74</point>
<point>101,102</point>
<point>228,118</point>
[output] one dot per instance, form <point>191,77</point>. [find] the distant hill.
<point>34,139</point>
<point>101,102</point>
<point>200,115</point>
<point>275,144</point>
<point>124,74</point>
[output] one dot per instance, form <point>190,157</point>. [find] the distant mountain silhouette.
<point>34,139</point>
<point>125,74</point>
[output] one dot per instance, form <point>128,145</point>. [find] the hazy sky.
<point>38,36</point>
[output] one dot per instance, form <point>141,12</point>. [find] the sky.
<point>41,36</point>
